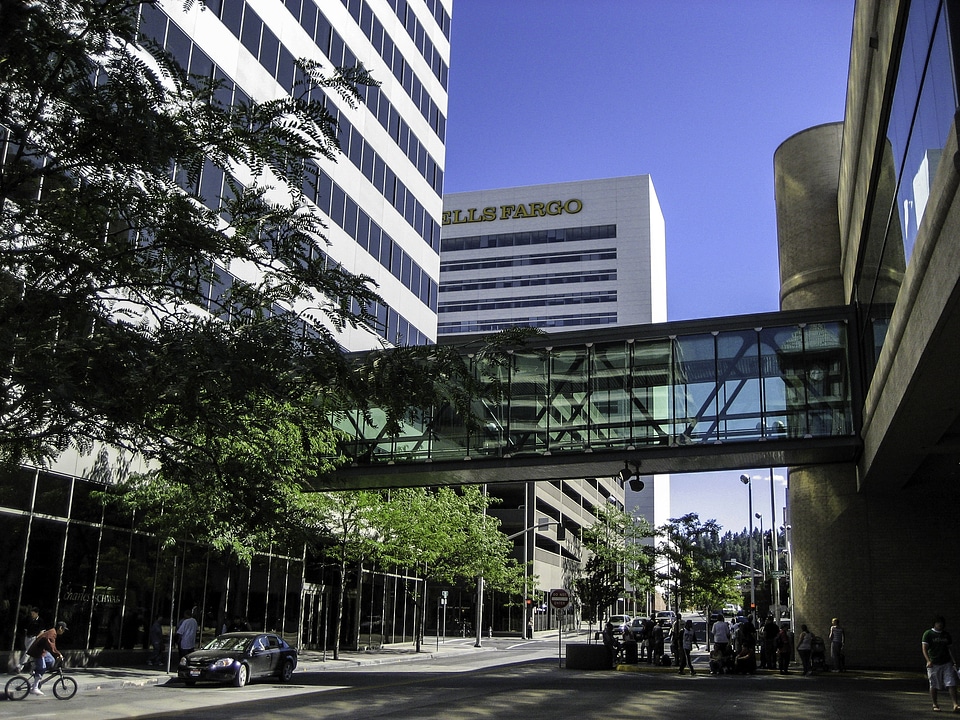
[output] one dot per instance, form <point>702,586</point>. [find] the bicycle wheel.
<point>64,687</point>
<point>18,687</point>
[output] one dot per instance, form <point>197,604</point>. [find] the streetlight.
<point>745,479</point>
<point>763,548</point>
<point>775,565</point>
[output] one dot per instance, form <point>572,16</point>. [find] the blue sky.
<point>697,93</point>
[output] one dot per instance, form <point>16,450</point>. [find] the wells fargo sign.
<point>510,212</point>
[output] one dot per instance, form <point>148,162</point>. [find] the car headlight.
<point>223,662</point>
<point>183,661</point>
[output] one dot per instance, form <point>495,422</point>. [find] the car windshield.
<point>226,642</point>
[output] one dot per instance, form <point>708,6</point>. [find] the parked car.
<point>239,657</point>
<point>636,626</point>
<point>619,622</point>
<point>665,617</point>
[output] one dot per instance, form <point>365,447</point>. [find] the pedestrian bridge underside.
<point>775,389</point>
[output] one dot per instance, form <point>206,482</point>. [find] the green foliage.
<point>118,322</point>
<point>694,567</point>
<point>106,245</point>
<point>617,557</point>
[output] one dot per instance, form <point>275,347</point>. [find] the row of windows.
<point>586,298</point>
<point>325,193</point>
<point>534,237</point>
<point>434,6</point>
<point>382,177</point>
<point>263,44</point>
<point>365,18</point>
<point>210,187</point>
<point>530,281</point>
<point>328,40</point>
<point>529,260</point>
<point>471,326</point>
<point>346,213</point>
<point>390,324</point>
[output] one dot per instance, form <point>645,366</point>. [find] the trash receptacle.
<point>630,653</point>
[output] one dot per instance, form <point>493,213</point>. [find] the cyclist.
<point>43,651</point>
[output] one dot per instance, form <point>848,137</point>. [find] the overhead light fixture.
<point>632,477</point>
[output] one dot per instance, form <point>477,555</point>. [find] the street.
<point>508,679</point>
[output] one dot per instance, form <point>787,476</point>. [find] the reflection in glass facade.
<point>721,386</point>
<point>922,109</point>
<point>77,560</point>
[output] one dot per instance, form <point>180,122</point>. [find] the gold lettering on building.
<point>511,212</point>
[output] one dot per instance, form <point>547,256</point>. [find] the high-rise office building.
<point>382,199</point>
<point>559,257</point>
<point>382,206</point>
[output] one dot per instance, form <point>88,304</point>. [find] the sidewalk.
<point>92,679</point>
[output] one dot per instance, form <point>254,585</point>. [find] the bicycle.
<point>64,686</point>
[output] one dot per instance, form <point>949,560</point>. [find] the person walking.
<point>186,634</point>
<point>156,642</point>
<point>32,627</point>
<point>685,647</point>
<point>836,645</point>
<point>804,648</point>
<point>937,647</point>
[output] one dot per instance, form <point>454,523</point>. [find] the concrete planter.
<point>583,656</point>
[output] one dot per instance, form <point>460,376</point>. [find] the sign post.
<point>559,599</point>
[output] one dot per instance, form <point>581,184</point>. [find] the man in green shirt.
<point>937,649</point>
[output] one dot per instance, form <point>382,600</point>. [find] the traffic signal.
<point>561,533</point>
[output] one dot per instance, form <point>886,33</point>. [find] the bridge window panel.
<point>776,413</point>
<point>568,418</point>
<point>609,409</point>
<point>815,373</point>
<point>739,390</point>
<point>695,403</point>
<point>528,403</point>
<point>650,392</point>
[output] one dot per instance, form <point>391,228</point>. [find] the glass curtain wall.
<point>79,561</point>
<point>922,104</point>
<point>730,385</point>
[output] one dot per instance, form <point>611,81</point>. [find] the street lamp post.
<point>763,549</point>
<point>775,565</point>
<point>753,581</point>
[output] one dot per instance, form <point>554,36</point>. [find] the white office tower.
<point>560,257</point>
<point>381,200</point>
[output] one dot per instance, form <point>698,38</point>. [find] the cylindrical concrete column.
<point>806,175</point>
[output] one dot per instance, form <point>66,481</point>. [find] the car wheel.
<point>286,672</point>
<point>243,674</point>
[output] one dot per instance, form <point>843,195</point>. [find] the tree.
<point>119,321</point>
<point>694,564</point>
<point>448,537</point>
<point>104,250</point>
<point>616,556</point>
<point>344,527</point>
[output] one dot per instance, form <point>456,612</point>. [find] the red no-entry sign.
<point>559,598</point>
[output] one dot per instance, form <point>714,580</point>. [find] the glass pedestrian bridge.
<point>775,389</point>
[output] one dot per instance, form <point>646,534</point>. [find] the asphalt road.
<point>508,680</point>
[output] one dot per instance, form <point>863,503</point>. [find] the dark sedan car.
<point>239,657</point>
